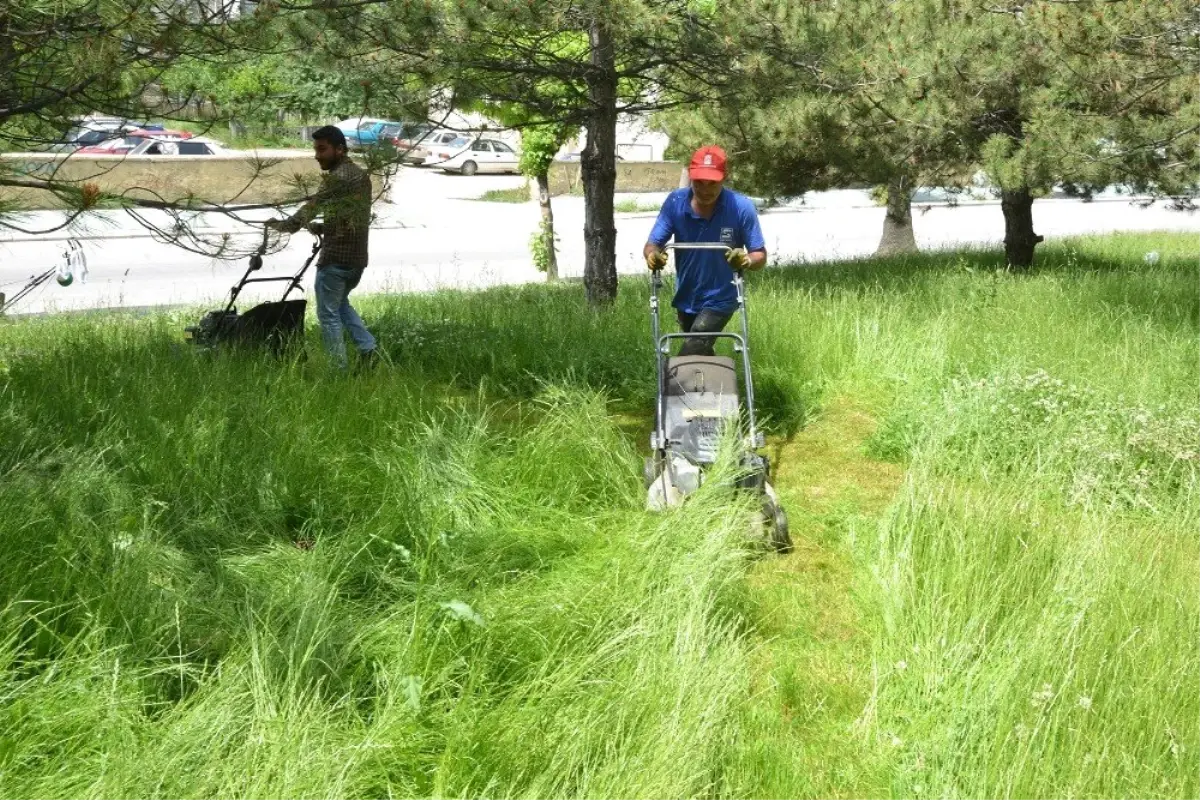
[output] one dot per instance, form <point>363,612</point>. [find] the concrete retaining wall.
<point>218,179</point>
<point>632,176</point>
<point>242,180</point>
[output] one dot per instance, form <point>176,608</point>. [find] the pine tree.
<point>604,58</point>
<point>1035,92</point>
<point>63,60</point>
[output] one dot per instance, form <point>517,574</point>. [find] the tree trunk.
<point>897,223</point>
<point>599,170</point>
<point>543,193</point>
<point>1019,238</point>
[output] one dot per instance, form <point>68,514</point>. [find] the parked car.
<point>367,131</point>
<point>116,146</point>
<point>481,155</point>
<point>95,130</point>
<point>122,145</point>
<point>420,150</point>
<point>198,146</point>
<point>413,140</point>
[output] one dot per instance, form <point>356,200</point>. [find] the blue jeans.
<point>335,314</point>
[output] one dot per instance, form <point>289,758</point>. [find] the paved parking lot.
<point>431,233</point>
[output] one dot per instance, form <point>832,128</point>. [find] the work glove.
<point>656,260</point>
<point>738,258</point>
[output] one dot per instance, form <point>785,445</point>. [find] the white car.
<point>481,155</point>
<point>419,151</point>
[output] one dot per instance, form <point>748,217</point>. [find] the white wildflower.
<point>1043,697</point>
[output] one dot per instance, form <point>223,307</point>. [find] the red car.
<point>120,145</point>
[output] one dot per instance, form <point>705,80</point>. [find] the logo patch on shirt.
<point>727,237</point>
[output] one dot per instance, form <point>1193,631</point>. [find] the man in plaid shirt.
<point>344,202</point>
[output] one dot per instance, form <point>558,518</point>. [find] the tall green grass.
<point>231,579</point>
<point>237,577</point>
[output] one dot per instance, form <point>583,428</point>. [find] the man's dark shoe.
<point>367,360</point>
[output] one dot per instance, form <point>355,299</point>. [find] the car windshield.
<point>90,137</point>
<point>457,144</point>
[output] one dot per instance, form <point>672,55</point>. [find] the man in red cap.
<point>705,298</point>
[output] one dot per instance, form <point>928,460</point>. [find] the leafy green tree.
<point>62,60</point>
<point>539,145</point>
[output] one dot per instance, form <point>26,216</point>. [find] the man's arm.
<point>660,234</point>
<point>758,259</point>
<point>752,235</point>
<point>307,212</point>
<point>655,256</point>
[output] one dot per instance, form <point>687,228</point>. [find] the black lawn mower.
<point>275,325</point>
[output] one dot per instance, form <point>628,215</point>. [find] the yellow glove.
<point>738,258</point>
<point>656,260</point>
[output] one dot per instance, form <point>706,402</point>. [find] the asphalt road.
<point>430,234</point>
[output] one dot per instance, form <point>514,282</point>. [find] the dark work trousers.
<point>707,321</point>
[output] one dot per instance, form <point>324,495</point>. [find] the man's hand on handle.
<point>738,258</point>
<point>284,225</point>
<point>656,259</point>
<point>741,260</point>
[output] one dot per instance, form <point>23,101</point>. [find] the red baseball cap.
<point>708,164</point>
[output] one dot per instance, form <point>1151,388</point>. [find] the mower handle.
<point>726,249</point>
<point>697,246</point>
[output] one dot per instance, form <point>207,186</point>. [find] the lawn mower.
<point>274,325</point>
<point>697,399</point>
<point>74,262</point>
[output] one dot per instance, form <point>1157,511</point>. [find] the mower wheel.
<point>651,469</point>
<point>781,538</point>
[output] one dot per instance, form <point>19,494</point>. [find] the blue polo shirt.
<point>703,278</point>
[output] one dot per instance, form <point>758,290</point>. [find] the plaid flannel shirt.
<point>344,203</point>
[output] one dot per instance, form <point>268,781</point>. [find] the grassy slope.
<point>993,590</point>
